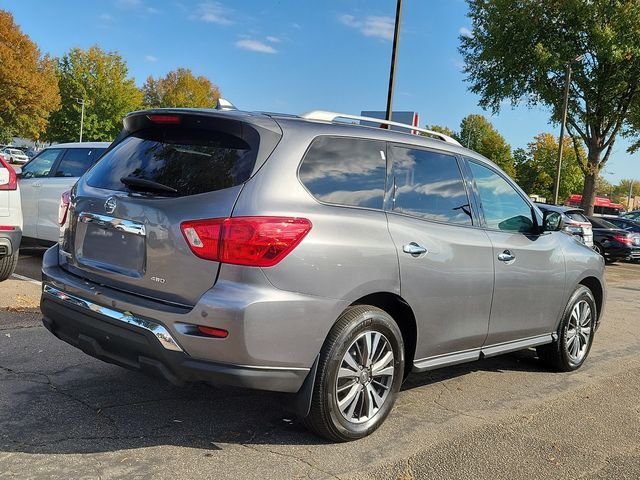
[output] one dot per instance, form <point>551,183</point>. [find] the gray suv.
<point>306,255</point>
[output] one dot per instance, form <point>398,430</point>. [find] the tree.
<point>101,79</point>
<point>536,166</point>
<point>477,133</point>
<point>441,129</point>
<point>180,88</point>
<point>520,51</point>
<point>28,84</point>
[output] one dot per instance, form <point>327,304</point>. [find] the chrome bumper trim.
<point>119,224</point>
<point>159,331</point>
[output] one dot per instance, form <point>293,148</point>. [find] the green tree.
<point>180,88</point>
<point>520,51</point>
<point>101,79</point>
<point>441,129</point>
<point>478,134</point>
<point>536,166</point>
<point>28,84</point>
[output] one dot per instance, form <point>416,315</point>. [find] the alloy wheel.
<point>365,377</point>
<point>578,331</point>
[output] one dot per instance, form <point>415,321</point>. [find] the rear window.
<point>578,217</point>
<point>600,223</point>
<point>190,161</point>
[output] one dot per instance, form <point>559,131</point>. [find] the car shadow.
<point>90,407</point>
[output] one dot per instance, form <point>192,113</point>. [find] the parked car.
<point>44,179</point>
<point>613,242</point>
<point>10,220</point>
<point>14,155</point>
<point>575,222</point>
<point>311,256</point>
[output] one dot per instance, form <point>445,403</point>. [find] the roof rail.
<point>332,116</point>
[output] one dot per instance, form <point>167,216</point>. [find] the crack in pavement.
<point>97,410</point>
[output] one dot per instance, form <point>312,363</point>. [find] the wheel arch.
<point>403,315</point>
<point>597,289</point>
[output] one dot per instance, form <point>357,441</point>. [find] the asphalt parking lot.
<point>65,415</point>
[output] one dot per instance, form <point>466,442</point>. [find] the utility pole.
<point>565,106</point>
<point>629,205</point>
<point>81,101</point>
<point>394,54</point>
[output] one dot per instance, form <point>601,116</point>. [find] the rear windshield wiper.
<point>142,184</point>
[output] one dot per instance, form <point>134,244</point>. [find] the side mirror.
<point>18,170</point>
<point>552,222</point>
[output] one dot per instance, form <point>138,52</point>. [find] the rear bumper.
<point>9,241</point>
<point>274,335</point>
<point>142,348</point>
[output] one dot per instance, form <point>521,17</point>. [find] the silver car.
<point>307,255</point>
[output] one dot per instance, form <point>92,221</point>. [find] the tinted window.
<point>504,209</point>
<point>577,216</point>
<point>40,166</point>
<point>190,161</point>
<point>429,185</point>
<point>600,223</point>
<point>76,161</point>
<point>347,171</point>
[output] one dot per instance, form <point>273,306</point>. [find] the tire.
<point>339,408</point>
<point>570,351</point>
<point>598,248</point>
<point>8,265</point>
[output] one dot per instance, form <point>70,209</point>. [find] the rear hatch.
<point>583,222</point>
<point>166,167</point>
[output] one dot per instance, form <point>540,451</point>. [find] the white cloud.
<point>106,18</point>
<point>255,46</point>
<point>371,25</point>
<point>273,39</point>
<point>150,58</point>
<point>213,12</point>
<point>465,32</point>
<point>152,10</point>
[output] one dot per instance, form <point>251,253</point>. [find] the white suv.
<point>10,220</point>
<point>45,178</point>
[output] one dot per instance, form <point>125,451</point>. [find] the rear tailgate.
<point>185,166</point>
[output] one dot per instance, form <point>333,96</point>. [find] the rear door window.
<point>189,160</point>
<point>346,171</point>
<point>429,184</point>
<point>76,161</point>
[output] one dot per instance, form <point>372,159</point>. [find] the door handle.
<point>36,184</point>
<point>506,256</point>
<point>414,249</point>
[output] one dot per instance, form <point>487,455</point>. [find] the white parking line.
<point>26,279</point>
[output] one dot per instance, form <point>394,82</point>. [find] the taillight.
<point>627,240</point>
<point>251,241</point>
<point>8,177</point>
<point>63,208</point>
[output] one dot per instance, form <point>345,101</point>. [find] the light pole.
<point>565,106</point>
<point>394,51</point>
<point>81,101</point>
<point>630,194</point>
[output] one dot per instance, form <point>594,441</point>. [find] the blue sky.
<point>294,55</point>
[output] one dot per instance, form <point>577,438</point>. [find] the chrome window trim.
<point>159,331</point>
<point>119,224</point>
